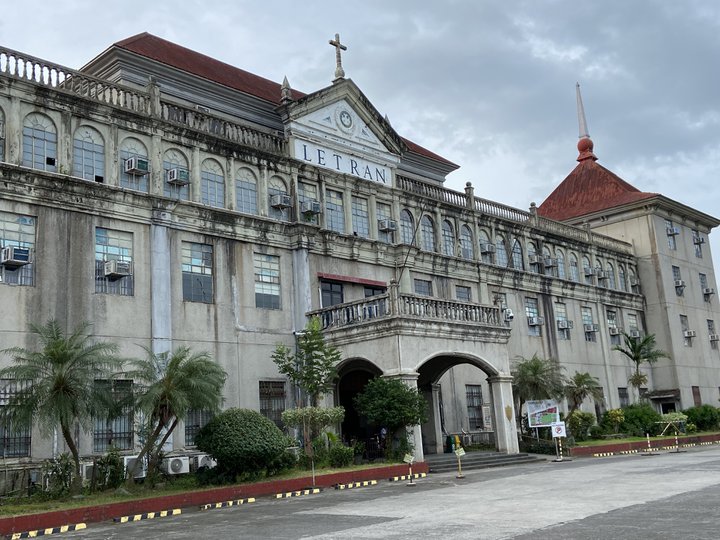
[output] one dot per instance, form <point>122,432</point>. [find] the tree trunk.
<point>153,461</point>
<point>76,486</point>
<point>130,478</point>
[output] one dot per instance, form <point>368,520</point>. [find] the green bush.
<point>580,423</point>
<point>597,432</point>
<point>340,455</point>
<point>242,441</point>
<point>59,474</point>
<point>705,417</point>
<point>109,472</point>
<point>285,461</point>
<point>640,418</point>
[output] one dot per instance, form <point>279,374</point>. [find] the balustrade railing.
<point>353,312</point>
<point>436,193</point>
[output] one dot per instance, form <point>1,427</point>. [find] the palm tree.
<point>580,387</point>
<point>537,378</point>
<point>168,387</point>
<point>59,383</point>
<point>640,351</point>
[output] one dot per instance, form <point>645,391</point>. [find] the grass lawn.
<point>603,442</point>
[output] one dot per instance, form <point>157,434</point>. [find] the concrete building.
<point>172,199</point>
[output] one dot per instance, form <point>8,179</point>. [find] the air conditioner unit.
<point>634,282</point>
<point>590,327</point>
<point>549,262</point>
<point>614,331</point>
<point>118,269</point>
<point>534,259</point>
<point>679,283</point>
<point>634,333</point>
<point>86,471</point>
<point>563,325</point>
<point>588,271</point>
<point>487,248</point>
<point>13,256</point>
<point>689,333</point>
<point>137,165</point>
<point>536,321</point>
<point>708,291</point>
<point>672,231</point>
<point>601,275</point>
<point>310,208</point>
<point>387,225</point>
<point>714,337</point>
<point>129,463</point>
<point>280,201</point>
<point>204,460</point>
<point>178,177</point>
<point>176,465</point>
<point>698,240</point>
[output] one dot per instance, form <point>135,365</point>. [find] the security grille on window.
<point>17,231</point>
<point>14,440</point>
<point>623,396</point>
<point>423,287</point>
<point>194,421</point>
<point>197,272</point>
<point>272,400</point>
<point>360,217</point>
<point>116,431</point>
<point>473,397</point>
<point>267,281</point>
<point>113,262</point>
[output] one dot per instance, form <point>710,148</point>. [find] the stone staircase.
<point>440,463</point>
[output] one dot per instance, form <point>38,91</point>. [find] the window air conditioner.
<point>310,208</point>
<point>86,471</point>
<point>117,269</point>
<point>280,201</point>
<point>534,259</point>
<point>178,177</point>
<point>535,321</point>
<point>708,291</point>
<point>714,337</point>
<point>590,327</point>
<point>614,331</point>
<point>679,283</point>
<point>13,256</point>
<point>138,166</point>
<point>204,460</point>
<point>387,225</point>
<point>673,231</point>
<point>563,325</point>
<point>698,240</point>
<point>549,262</point>
<point>634,282</point>
<point>634,333</point>
<point>588,271</point>
<point>487,248</point>
<point>689,333</point>
<point>129,463</point>
<point>601,275</point>
<point>176,465</point>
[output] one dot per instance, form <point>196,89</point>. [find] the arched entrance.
<point>353,375</point>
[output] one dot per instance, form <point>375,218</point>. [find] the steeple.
<point>585,144</point>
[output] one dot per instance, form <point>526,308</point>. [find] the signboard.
<point>558,429</point>
<point>342,162</point>
<point>409,458</point>
<point>542,413</point>
<point>460,452</point>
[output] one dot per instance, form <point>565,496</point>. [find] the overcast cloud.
<point>488,85</point>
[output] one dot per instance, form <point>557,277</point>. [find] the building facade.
<point>170,199</point>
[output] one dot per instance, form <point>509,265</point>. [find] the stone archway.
<point>353,375</point>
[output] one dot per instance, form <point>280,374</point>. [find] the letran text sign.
<point>542,413</point>
<point>341,162</point>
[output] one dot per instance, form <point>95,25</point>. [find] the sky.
<point>487,85</point>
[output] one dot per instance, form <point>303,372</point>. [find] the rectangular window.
<point>561,321</point>
<point>115,432</point>
<point>613,327</point>
<point>685,327</point>
<point>632,322</point>
<point>588,324</point>
<point>272,401</point>
<point>697,399</point>
<point>331,293</point>
<point>18,231</point>
<point>307,194</point>
<point>14,441</point>
<point>704,289</point>
<point>267,281</point>
<point>713,335</point>
<point>114,262</point>
<point>533,316</point>
<point>197,272</point>
<point>473,398</point>
<point>383,212</point>
<point>698,242</point>
<point>360,217</point>
<point>194,421</point>
<point>423,287</point>
<point>624,396</point>
<point>671,231</point>
<point>676,273</point>
<point>463,293</point>
<point>334,211</point>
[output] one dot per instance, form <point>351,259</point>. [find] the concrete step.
<point>476,460</point>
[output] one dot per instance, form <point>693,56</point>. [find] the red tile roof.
<point>190,61</point>
<point>589,188</point>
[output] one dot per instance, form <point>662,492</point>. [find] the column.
<point>414,433</point>
<point>506,438</point>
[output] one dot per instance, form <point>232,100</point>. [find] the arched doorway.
<point>353,375</point>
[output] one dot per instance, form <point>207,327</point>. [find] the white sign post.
<point>558,432</point>
<point>409,459</point>
<point>460,452</point>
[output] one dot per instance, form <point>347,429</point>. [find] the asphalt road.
<point>668,496</point>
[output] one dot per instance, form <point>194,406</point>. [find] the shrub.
<point>613,419</point>
<point>242,441</point>
<point>580,423</point>
<point>109,471</point>
<point>60,473</point>
<point>341,455</point>
<point>705,417</point>
<point>597,432</point>
<point>640,418</point>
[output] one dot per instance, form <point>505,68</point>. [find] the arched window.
<point>517,255</point>
<point>176,175</point>
<point>574,270</point>
<point>134,174</point>
<point>89,154</point>
<point>407,227</point>
<point>246,191</point>
<point>587,270</point>
<point>448,238</point>
<point>549,264</point>
<point>277,207</point>
<point>487,248</point>
<point>427,234</point>
<point>39,143</point>
<point>600,273</point>
<point>622,278</point>
<point>501,251</point>
<point>633,280</point>
<point>560,261</point>
<point>466,243</point>
<point>212,184</point>
<point>610,272</point>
